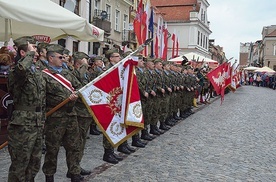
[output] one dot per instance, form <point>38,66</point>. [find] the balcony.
<point>102,20</point>
<point>128,36</point>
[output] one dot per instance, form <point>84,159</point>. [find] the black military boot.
<point>131,149</point>
<point>69,175</point>
<point>169,121</point>
<point>123,148</point>
<point>175,116</point>
<point>75,178</point>
<point>49,178</point>
<point>163,126</point>
<point>94,130</point>
<point>137,142</point>
<point>85,172</point>
<point>146,136</point>
<point>116,156</point>
<point>153,130</point>
<point>109,157</point>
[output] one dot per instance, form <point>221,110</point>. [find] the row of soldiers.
<point>44,77</point>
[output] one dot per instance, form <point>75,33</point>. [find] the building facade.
<point>189,20</point>
<point>268,47</point>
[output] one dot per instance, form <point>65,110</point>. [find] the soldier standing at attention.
<point>27,87</point>
<point>83,116</point>
<point>62,125</point>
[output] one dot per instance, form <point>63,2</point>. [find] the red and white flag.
<point>219,77</point>
<point>113,101</point>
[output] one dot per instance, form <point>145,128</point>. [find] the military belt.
<point>27,108</point>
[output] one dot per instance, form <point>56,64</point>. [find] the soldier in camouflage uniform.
<point>42,63</point>
<point>109,155</point>
<point>177,93</point>
<point>143,83</point>
<point>83,116</point>
<point>62,125</point>
<point>151,111</point>
<point>165,101</point>
<point>95,70</point>
<point>27,87</point>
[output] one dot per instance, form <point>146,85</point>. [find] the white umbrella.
<point>250,68</point>
<point>43,17</point>
<point>265,69</point>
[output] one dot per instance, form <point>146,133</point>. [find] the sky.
<point>236,21</point>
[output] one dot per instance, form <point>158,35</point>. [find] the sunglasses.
<point>60,57</point>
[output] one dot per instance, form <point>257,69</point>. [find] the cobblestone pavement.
<point>234,141</point>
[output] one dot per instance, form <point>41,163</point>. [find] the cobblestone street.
<point>232,142</point>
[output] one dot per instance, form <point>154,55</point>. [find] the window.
<point>108,11</point>
<point>97,4</point>
<point>75,46</point>
<point>207,43</point>
<point>198,37</point>
<point>125,27</point>
<point>204,41</point>
<point>274,49</point>
<point>117,20</point>
<point>77,7</point>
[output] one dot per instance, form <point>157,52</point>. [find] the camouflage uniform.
<point>84,117</point>
<point>62,125</point>
<point>27,87</point>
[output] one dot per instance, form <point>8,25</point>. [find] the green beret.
<point>80,56</point>
<point>66,51</point>
<point>150,60</point>
<point>111,51</point>
<point>24,41</point>
<point>97,58</point>
<point>166,63</point>
<point>42,45</point>
<point>55,48</point>
<point>157,60</point>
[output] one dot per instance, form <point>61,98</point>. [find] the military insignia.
<point>95,96</point>
<point>116,128</point>
<point>115,100</point>
<point>137,110</point>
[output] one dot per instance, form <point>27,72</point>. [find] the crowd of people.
<point>261,79</point>
<point>43,75</point>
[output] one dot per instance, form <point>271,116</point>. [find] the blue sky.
<point>235,21</point>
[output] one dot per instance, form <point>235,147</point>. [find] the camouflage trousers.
<point>84,125</point>
<point>155,106</point>
<point>164,107</point>
<point>144,110</point>
<point>107,144</point>
<point>25,144</point>
<point>63,130</point>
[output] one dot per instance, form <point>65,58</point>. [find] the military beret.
<point>42,45</point>
<point>150,60</point>
<point>166,63</point>
<point>126,54</point>
<point>157,60</point>
<point>111,51</point>
<point>24,41</point>
<point>97,58</point>
<point>55,48</point>
<point>66,51</point>
<point>80,55</point>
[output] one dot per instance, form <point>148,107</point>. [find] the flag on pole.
<point>113,101</point>
<point>173,44</point>
<point>177,46</point>
<point>165,39</point>
<point>218,78</point>
<point>137,23</point>
<point>151,29</point>
<point>145,23</point>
